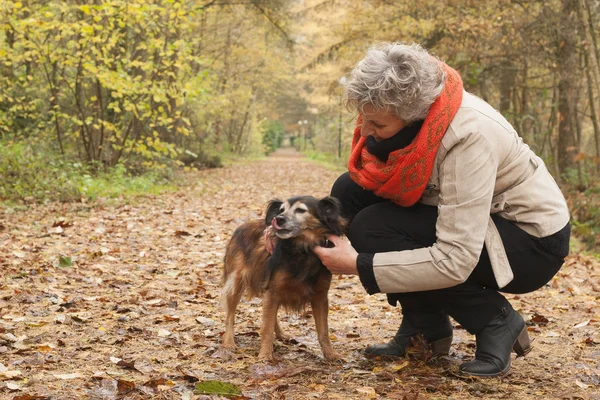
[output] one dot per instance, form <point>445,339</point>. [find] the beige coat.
<point>482,167</point>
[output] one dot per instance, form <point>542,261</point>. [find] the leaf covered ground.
<point>120,300</point>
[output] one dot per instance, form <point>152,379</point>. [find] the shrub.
<point>35,173</point>
<point>273,136</point>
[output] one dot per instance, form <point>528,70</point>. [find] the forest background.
<point>104,97</point>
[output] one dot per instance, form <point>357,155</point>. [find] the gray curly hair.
<point>404,79</point>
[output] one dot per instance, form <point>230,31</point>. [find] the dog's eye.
<point>300,210</point>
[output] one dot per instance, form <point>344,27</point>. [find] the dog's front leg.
<point>320,307</point>
<point>267,330</point>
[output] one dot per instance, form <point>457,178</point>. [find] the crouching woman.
<point>448,208</point>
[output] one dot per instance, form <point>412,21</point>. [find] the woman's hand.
<point>340,259</point>
<point>270,239</point>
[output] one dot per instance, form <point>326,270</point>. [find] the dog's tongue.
<point>274,224</point>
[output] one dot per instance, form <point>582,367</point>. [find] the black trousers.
<point>378,225</point>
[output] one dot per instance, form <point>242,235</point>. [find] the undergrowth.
<point>32,173</point>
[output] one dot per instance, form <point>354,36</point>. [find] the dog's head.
<point>301,214</point>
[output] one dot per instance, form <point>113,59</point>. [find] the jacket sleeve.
<point>467,177</point>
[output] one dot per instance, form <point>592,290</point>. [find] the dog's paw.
<point>283,337</point>
<point>228,344</point>
<point>332,355</point>
<point>266,355</point>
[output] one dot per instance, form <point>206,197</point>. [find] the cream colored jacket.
<point>482,167</point>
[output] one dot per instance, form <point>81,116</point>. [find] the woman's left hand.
<point>340,259</point>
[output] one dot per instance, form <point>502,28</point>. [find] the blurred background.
<point>101,97</point>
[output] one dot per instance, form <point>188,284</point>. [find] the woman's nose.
<point>366,129</point>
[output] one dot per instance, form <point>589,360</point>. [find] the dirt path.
<point>132,311</point>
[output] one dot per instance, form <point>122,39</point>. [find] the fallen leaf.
<point>163,333</point>
<point>368,392</point>
<point>187,375</point>
<point>539,319</point>
<point>217,387</point>
<point>124,387</point>
<point>582,324</point>
<point>581,384</point>
<point>205,321</point>
<point>80,318</point>
<point>143,365</point>
<point>344,286</point>
<point>65,261</point>
<point>5,373</point>
<point>155,383</point>
<point>62,223</point>
<point>411,395</point>
<point>46,348</point>
<point>398,367</point>
<point>74,375</point>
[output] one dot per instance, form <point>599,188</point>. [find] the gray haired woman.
<point>448,208</point>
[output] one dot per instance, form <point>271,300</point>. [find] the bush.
<point>200,160</point>
<point>273,136</point>
<point>34,173</point>
<point>585,214</point>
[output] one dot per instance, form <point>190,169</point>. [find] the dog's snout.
<point>280,219</point>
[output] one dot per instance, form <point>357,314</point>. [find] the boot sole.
<point>495,375</point>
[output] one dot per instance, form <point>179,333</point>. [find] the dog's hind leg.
<point>269,322</point>
<point>232,293</point>
<point>279,332</point>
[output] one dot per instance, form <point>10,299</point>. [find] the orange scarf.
<point>402,179</point>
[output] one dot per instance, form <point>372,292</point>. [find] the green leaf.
<point>218,388</point>
<point>65,261</point>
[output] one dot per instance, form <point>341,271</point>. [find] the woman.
<point>448,208</point>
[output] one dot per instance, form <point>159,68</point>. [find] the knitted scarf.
<point>402,179</point>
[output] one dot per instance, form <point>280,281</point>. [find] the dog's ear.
<point>330,215</point>
<point>272,210</point>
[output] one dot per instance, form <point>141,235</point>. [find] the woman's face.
<point>380,124</point>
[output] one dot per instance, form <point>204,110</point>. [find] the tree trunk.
<point>567,64</point>
<point>9,35</point>
<point>523,117</point>
<point>592,33</point>
<point>507,80</point>
<point>588,40</point>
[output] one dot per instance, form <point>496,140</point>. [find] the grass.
<point>31,173</point>
<point>329,161</point>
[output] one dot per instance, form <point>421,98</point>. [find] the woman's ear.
<point>330,215</point>
<point>272,210</point>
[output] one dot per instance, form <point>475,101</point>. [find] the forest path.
<point>133,310</point>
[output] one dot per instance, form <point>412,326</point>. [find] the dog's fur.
<point>292,276</point>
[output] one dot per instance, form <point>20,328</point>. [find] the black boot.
<point>494,342</point>
<point>435,327</point>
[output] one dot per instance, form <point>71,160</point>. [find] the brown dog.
<point>292,276</point>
